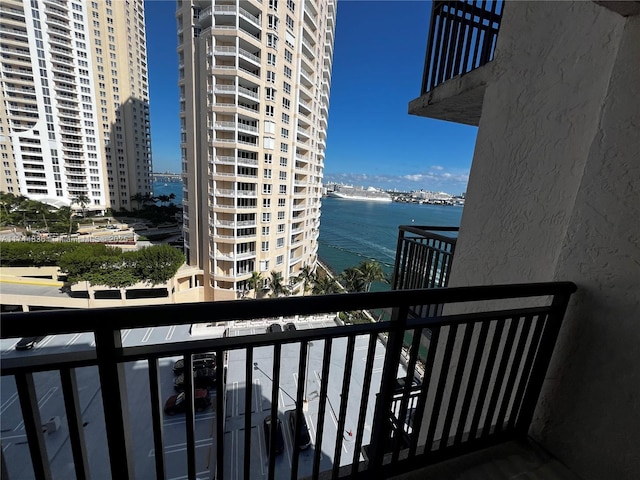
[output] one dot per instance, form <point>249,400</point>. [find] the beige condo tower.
<point>75,116</point>
<point>254,79</point>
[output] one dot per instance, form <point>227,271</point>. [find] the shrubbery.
<point>96,263</point>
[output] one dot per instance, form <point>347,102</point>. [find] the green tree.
<point>157,264</point>
<point>277,286</point>
<point>307,276</point>
<point>138,199</point>
<point>371,271</point>
<point>163,199</point>
<point>325,285</point>
<point>254,282</point>
<point>82,201</point>
<point>353,280</point>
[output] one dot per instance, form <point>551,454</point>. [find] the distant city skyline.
<point>377,70</point>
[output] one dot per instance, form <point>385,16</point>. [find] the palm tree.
<point>277,286</point>
<point>148,198</point>
<point>307,276</point>
<point>137,198</point>
<point>164,199</point>
<point>353,280</point>
<point>81,200</point>
<point>172,196</point>
<point>371,272</point>
<point>325,285</point>
<point>254,282</point>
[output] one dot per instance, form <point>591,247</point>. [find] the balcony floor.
<point>507,461</point>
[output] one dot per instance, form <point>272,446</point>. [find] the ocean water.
<point>167,188</point>
<point>352,231</point>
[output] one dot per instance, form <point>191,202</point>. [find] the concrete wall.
<point>554,194</point>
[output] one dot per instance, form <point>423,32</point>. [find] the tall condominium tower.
<point>254,84</point>
<point>75,101</point>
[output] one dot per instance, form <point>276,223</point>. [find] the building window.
<point>265,230</point>
<point>267,173</point>
<point>288,56</point>
<point>279,259</point>
<point>284,132</point>
<point>280,242</point>
<point>286,103</point>
<point>271,59</point>
<point>283,161</point>
<point>265,246</point>
<point>272,41</point>
<point>281,217</point>
<point>285,118</point>
<point>270,93</point>
<point>284,148</point>
<point>266,217</point>
<point>271,76</point>
<point>282,176</point>
<point>286,87</point>
<point>283,190</point>
<point>282,202</point>
<point>266,203</point>
<point>273,4</point>
<point>268,158</point>
<point>287,72</point>
<point>266,188</point>
<point>272,22</point>
<point>269,110</point>
<point>289,22</point>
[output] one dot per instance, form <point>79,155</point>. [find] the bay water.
<point>352,231</point>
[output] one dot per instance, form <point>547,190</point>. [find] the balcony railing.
<point>477,379</point>
<point>423,257</point>
<point>462,37</point>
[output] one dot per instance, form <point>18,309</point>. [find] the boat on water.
<point>349,192</point>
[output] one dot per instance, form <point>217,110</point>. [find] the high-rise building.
<point>75,102</point>
<point>254,81</point>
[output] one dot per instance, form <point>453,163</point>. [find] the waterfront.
<point>352,231</point>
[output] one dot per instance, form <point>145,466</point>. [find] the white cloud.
<point>451,182</point>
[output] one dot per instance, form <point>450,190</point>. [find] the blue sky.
<point>377,69</point>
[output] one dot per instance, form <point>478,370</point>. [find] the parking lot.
<point>50,400</point>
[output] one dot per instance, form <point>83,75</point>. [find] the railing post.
<point>33,425</point>
<point>114,402</point>
<point>74,420</point>
<point>545,351</point>
<point>380,429</point>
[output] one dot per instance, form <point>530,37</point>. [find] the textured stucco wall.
<point>554,194</point>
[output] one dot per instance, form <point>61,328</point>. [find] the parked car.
<point>202,378</point>
<point>400,383</point>
<point>27,343</point>
<point>279,447</point>
<point>274,327</point>
<point>177,404</point>
<point>305,438</point>
<point>290,327</point>
<point>200,360</point>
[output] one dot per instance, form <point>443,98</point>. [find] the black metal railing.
<point>423,257</point>
<point>462,37</point>
<point>479,385</point>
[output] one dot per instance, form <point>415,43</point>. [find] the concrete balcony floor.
<point>521,460</point>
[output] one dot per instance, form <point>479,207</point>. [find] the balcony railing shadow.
<point>482,369</point>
